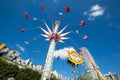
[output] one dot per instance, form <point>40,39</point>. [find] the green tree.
<point>84,77</point>
<point>28,74</point>
<point>9,70</point>
<point>53,78</point>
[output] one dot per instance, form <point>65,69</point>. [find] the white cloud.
<point>90,18</point>
<point>95,8</point>
<point>34,19</point>
<point>77,31</point>
<point>60,13</point>
<point>20,47</point>
<point>63,53</point>
<point>85,13</point>
<point>94,12</point>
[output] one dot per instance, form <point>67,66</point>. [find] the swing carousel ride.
<point>55,36</point>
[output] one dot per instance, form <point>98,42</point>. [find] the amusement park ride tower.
<point>91,68</point>
<point>53,36</point>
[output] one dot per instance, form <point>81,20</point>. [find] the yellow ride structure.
<point>91,68</point>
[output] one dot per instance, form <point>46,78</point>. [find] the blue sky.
<point>102,27</point>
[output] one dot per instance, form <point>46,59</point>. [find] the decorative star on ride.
<point>54,34</point>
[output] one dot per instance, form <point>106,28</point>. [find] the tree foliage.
<point>84,77</point>
<point>9,70</point>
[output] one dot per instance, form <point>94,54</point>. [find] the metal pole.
<point>74,73</point>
